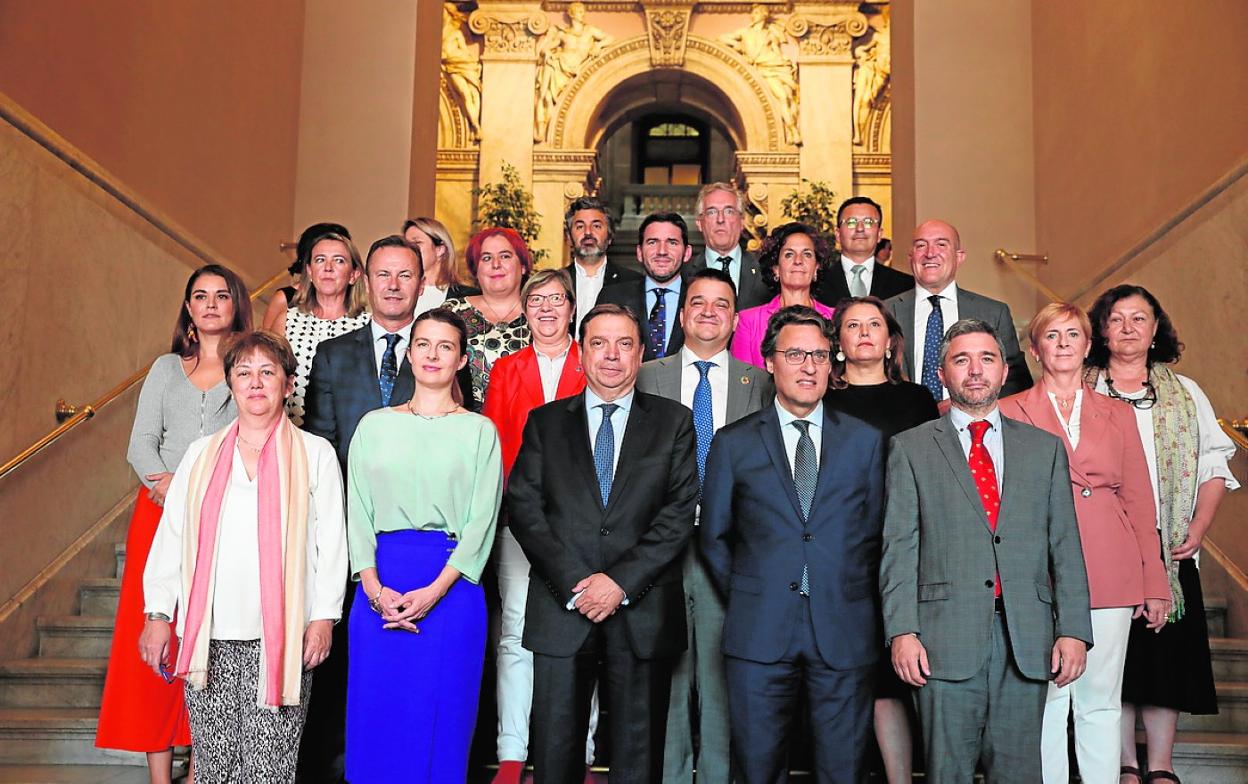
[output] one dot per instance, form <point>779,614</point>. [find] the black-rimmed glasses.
<point>796,356</point>
<point>1142,403</point>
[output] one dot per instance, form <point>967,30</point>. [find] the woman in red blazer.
<point>548,369</point>
<point>1118,530</point>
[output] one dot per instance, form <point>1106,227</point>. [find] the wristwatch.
<point>159,617</point>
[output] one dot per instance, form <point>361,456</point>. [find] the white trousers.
<point>515,663</point>
<point>1096,698</point>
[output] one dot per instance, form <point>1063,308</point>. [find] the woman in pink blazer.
<point>791,260</point>
<point>1118,530</point>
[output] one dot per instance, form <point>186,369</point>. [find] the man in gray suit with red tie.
<point>983,582</point>
<point>719,389</point>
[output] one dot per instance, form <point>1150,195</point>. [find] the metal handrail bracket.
<point>1011,262</point>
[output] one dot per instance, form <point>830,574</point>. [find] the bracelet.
<point>159,617</point>
<point>375,602</point>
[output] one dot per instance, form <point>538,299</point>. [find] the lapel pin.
<point>745,379</point>
<point>1086,492</point>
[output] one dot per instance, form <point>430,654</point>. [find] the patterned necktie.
<point>931,349</point>
<point>857,288</point>
<point>604,452</point>
<point>657,332</point>
<point>724,262</point>
<point>703,419</point>
<point>805,477</point>
<point>389,369</point>
<point>985,475</point>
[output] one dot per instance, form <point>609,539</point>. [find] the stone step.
<point>52,683</point>
<point>1232,715</point>
<point>1230,658</point>
<point>1209,757</point>
<point>75,636</point>
<point>99,596</point>
<point>119,558</point>
<point>63,737</point>
<point>1215,615</point>
<point>73,774</point>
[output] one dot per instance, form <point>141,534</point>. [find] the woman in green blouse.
<point>424,481</point>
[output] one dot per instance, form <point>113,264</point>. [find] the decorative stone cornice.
<point>510,30</point>
<point>667,26</point>
<point>825,34</point>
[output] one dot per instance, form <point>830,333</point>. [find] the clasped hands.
<point>597,597</point>
<point>156,638</point>
<point>401,611</point>
<point>1069,659</point>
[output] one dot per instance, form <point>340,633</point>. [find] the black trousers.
<point>635,693</point>
<point>762,706</point>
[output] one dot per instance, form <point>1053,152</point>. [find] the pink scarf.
<point>281,516</point>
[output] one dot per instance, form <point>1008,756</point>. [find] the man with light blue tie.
<point>719,389</point>
<point>791,519</point>
<point>662,248</point>
<point>937,302</point>
<point>602,499</point>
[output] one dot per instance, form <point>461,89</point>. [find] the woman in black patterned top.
<point>500,261</point>
<point>866,382</point>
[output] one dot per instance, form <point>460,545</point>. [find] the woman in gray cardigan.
<point>183,398</point>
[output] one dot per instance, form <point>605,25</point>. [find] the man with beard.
<point>590,229</point>
<point>662,248</point>
<point>984,589</point>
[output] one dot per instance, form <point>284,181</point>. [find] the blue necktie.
<point>389,369</point>
<point>805,477</point>
<point>931,349</point>
<point>703,418</point>
<point>657,332</point>
<point>604,452</point>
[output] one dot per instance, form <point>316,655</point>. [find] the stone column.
<point>508,77</point>
<point>768,177</point>
<point>825,33</point>
<point>559,176</point>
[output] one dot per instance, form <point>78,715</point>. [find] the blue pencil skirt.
<point>412,698</point>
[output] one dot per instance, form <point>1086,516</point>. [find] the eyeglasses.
<point>536,300</point>
<point>853,223</point>
<point>728,213</point>
<point>797,356</point>
<point>1142,403</point>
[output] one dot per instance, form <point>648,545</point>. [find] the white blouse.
<point>1071,426</point>
<point>1216,447</point>
<point>236,596</point>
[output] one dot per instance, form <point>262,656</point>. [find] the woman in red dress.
<point>184,398</point>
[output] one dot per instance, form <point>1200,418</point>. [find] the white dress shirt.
<point>550,369</point>
<point>379,343</point>
<point>923,309</point>
<point>588,287</point>
<point>868,273</point>
<point>734,266</point>
<point>791,434</point>
<point>994,442</point>
<point>236,592</point>
<point>1071,426</point>
<point>619,420</point>
<point>717,375</point>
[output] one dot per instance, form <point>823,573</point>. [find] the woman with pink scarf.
<point>251,556</point>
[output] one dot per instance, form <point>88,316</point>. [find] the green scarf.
<point>1176,437</point>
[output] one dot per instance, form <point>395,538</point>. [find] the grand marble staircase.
<point>48,702</point>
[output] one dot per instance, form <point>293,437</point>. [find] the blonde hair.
<point>1052,312</point>
<point>438,272</point>
<point>542,277</point>
<point>355,298</point>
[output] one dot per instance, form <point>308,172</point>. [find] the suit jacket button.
<point>793,586</point>
<point>807,537</point>
<point>1086,492</point>
<point>604,531</point>
<point>997,539</point>
<point>988,583</point>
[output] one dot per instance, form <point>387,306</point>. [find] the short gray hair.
<point>968,327</point>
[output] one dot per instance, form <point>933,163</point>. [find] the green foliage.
<point>813,203</point>
<point>508,205</point>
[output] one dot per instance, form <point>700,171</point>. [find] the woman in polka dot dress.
<point>330,302</point>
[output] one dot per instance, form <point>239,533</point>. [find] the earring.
<point>888,353</point>
<point>1153,344</point>
<point>190,334</point>
<point>840,356</point>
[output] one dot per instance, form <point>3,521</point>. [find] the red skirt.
<point>139,712</point>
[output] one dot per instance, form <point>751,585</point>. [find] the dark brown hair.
<point>443,316</point>
<point>611,309</point>
<point>769,256</point>
<point>1166,347</point>
<point>896,341</point>
<point>186,339</point>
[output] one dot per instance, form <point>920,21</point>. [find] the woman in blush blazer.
<point>546,370</point>
<point>1117,528</point>
<point>792,258</point>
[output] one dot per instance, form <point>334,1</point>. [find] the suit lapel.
<point>571,380</point>
<point>366,371</point>
<point>1039,412</point>
<point>1016,458</point>
<point>769,430</point>
<point>531,378</point>
<point>740,387</point>
<point>946,436</point>
<point>637,433</point>
<point>827,454</point>
<point>904,311</point>
<point>581,452</point>
<point>668,377</point>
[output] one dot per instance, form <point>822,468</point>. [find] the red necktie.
<point>985,476</point>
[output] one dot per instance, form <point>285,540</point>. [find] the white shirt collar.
<point>848,265</point>
<point>379,332</point>
<point>961,420</point>
<point>625,402</point>
<point>687,358</point>
<point>949,292</point>
<point>815,417</point>
<point>712,255</point>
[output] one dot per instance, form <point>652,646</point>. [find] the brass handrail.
<point>1235,429</point>
<point>1011,262</point>
<point>80,414</point>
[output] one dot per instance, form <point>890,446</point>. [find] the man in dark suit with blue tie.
<point>351,375</point>
<point>604,528</point>
<point>663,249</point>
<point>792,513</point>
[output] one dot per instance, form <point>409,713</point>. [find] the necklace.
<point>436,415</point>
<point>249,445</point>
<point>494,313</point>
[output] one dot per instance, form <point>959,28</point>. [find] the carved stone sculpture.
<point>872,64</point>
<point>668,29</point>
<point>761,43</point>
<point>562,53</point>
<point>461,67</point>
